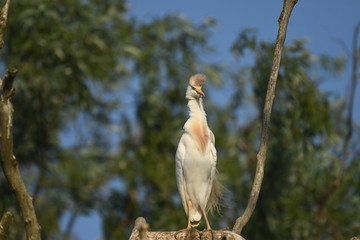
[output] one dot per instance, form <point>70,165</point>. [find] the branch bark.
<point>8,161</point>
<point>9,164</point>
<point>140,232</point>
<point>270,95</point>
<point>3,20</point>
<point>5,223</point>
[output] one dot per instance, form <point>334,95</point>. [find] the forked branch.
<point>270,95</point>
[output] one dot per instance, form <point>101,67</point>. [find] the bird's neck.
<point>196,108</point>
<point>196,125</point>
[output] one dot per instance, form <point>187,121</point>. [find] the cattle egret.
<point>196,159</point>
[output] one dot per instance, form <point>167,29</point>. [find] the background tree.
<point>69,77</point>
<point>59,85</point>
<point>304,146</point>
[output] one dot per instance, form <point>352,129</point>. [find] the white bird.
<point>196,159</point>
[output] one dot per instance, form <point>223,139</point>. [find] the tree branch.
<point>349,117</point>
<point>8,161</point>
<point>354,77</point>
<point>270,95</point>
<point>3,21</point>
<point>140,232</point>
<point>325,196</point>
<point>5,223</point>
<point>9,164</point>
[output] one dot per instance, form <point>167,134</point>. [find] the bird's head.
<point>195,84</point>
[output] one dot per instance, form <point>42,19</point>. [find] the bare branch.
<point>328,192</point>
<point>354,76</point>
<point>270,95</point>
<point>140,232</point>
<point>350,102</point>
<point>5,223</point>
<point>9,164</point>
<point>8,161</point>
<point>3,21</point>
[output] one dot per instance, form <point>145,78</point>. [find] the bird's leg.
<point>188,229</point>
<point>208,228</point>
<point>189,205</point>
<point>206,219</point>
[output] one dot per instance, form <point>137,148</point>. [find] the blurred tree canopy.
<point>100,106</point>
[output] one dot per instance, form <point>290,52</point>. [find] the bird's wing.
<point>214,192</point>
<point>179,158</point>
<point>213,157</point>
<point>213,150</point>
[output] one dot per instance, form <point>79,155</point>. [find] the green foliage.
<point>70,55</point>
<point>304,155</point>
<point>87,67</point>
<point>168,54</point>
<point>73,58</point>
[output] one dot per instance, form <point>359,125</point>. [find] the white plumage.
<point>196,157</point>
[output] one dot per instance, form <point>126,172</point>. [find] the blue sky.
<point>323,22</point>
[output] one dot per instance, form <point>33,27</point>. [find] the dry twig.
<point>270,95</point>
<point>3,20</point>
<point>331,189</point>
<point>8,161</point>
<point>5,223</point>
<point>9,164</point>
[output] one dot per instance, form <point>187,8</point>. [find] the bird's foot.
<point>190,233</point>
<point>212,232</point>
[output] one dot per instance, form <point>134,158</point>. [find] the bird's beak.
<point>199,91</point>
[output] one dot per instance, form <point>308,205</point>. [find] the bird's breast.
<point>199,131</point>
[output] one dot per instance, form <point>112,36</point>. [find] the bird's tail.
<point>195,217</point>
<point>215,197</point>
